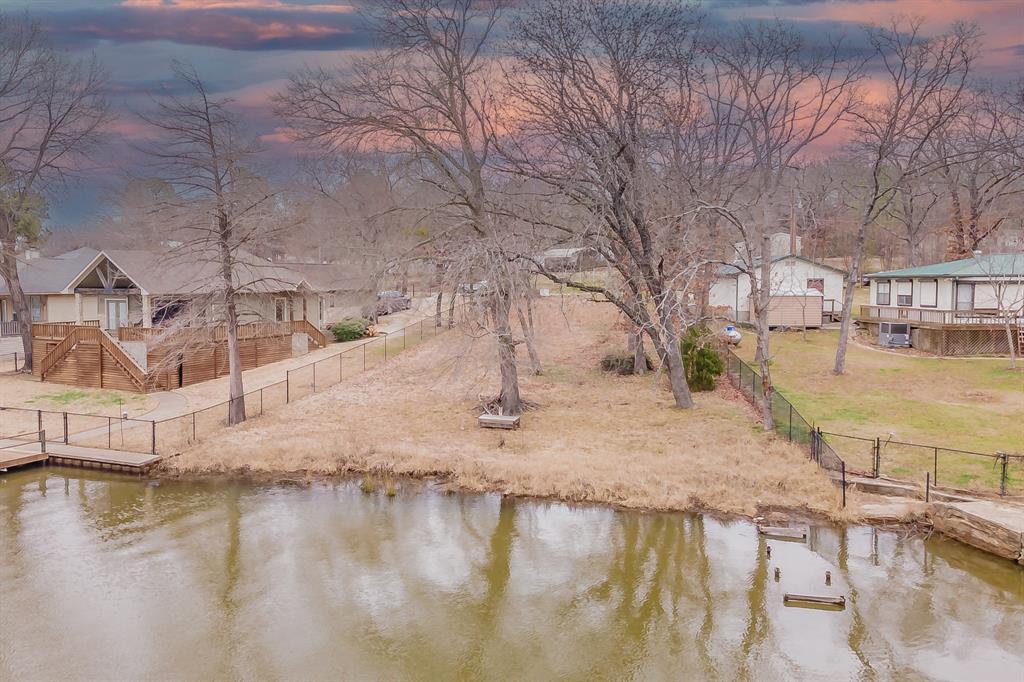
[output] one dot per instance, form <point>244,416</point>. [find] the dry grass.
<point>26,391</point>
<point>592,438</point>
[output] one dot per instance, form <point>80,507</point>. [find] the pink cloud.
<point>278,5</point>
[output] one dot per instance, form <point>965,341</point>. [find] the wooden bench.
<point>497,421</point>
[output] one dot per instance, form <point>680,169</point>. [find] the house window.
<point>985,297</point>
<point>882,292</point>
<point>818,284</point>
<point>281,309</point>
<point>905,292</point>
<point>36,303</point>
<point>929,293</point>
<point>964,296</point>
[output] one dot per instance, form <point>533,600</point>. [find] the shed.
<point>795,308</point>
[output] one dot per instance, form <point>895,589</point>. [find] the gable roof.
<point>731,270</point>
<point>51,275</point>
<point>992,265</point>
<point>161,274</point>
<point>154,273</point>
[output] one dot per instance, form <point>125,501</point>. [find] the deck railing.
<point>10,328</point>
<point>58,330</point>
<point>928,316</point>
<point>215,333</point>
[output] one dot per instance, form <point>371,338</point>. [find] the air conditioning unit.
<point>894,334</point>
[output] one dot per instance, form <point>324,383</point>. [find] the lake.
<point>111,577</point>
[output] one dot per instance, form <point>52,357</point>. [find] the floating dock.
<point>15,454</point>
<point>783,533</point>
<point>814,601</point>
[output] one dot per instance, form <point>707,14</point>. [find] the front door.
<point>964,296</point>
<point>117,313</point>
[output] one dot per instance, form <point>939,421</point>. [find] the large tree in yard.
<point>52,109</point>
<point>924,79</point>
<point>600,86</point>
<point>219,212</point>
<point>429,97</point>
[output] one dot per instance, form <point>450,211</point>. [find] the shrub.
<point>350,329</point>
<point>700,360</point>
<point>621,363</point>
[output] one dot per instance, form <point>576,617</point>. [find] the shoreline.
<point>445,483</point>
<point>921,520</point>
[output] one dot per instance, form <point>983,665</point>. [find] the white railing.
<point>952,317</point>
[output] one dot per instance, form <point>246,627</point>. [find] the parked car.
<point>389,302</point>
<point>467,288</point>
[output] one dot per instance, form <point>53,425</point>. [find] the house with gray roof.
<point>118,288</point>
<point>961,307</point>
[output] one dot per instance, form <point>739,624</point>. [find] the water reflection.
<point>114,578</point>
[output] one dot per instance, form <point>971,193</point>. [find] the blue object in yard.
<point>732,335</point>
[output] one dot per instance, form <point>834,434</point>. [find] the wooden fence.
<point>215,334</point>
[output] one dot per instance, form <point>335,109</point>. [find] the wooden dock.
<point>15,454</point>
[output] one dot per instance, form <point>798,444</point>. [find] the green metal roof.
<point>993,265</point>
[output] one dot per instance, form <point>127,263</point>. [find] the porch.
<point>949,332</point>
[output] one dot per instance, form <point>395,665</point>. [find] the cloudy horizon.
<point>245,49</point>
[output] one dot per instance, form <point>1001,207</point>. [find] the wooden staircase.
<point>79,336</point>
<point>316,337</point>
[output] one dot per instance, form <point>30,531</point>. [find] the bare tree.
<point>52,109</point>
<point>980,153</point>
<point>915,211</point>
<point>1008,291</point>
<point>428,96</point>
<point>219,210</point>
<point>599,87</point>
<point>924,80</point>
<point>775,95</point>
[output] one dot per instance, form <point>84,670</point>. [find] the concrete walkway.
<point>993,525</point>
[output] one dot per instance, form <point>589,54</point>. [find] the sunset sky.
<point>247,48</point>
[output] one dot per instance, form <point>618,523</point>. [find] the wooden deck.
<point>75,456</point>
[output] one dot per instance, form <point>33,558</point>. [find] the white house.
<point>963,291</point>
<point>802,282</point>
<point>969,297</point>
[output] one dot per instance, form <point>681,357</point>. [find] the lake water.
<point>108,577</point>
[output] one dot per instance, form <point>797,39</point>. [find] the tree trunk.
<point>1009,340</point>
<point>763,298</point>
<point>451,309</point>
<point>526,322</point>
<point>9,270</point>
<point>851,283</point>
<point>636,346</point>
<point>438,309</point>
<point>236,394</point>
<point>676,371</point>
<point>509,398</point>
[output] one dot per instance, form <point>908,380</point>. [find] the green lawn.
<point>968,404</point>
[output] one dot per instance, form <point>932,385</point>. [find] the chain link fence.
<point>1000,473</point>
